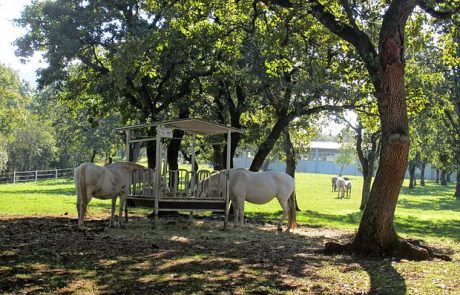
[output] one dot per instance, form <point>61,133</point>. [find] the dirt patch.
<point>50,255</point>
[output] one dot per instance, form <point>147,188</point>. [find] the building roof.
<point>192,125</point>
<point>325,145</point>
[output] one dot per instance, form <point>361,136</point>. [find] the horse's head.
<point>210,186</point>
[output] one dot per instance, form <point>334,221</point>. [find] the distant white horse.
<point>334,185</point>
<point>256,188</point>
<point>341,188</point>
<point>103,183</point>
<point>348,186</point>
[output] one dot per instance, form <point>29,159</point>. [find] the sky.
<point>9,10</point>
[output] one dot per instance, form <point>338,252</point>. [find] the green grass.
<point>44,198</point>
<point>428,212</point>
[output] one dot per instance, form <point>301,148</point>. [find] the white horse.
<point>341,187</point>
<point>334,185</point>
<point>256,188</point>
<point>103,183</point>
<point>348,186</point>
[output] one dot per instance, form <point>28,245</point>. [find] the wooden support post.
<point>127,145</point>
<point>56,174</point>
<point>157,174</point>
<point>227,179</point>
<point>36,175</point>
<point>14,176</point>
<point>192,182</point>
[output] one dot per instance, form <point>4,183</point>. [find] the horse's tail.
<point>292,219</point>
<point>82,188</point>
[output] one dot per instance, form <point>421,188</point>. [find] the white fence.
<point>23,176</point>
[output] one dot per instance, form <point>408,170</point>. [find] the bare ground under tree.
<point>50,255</point>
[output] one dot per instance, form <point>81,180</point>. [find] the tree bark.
<point>437,175</point>
<point>422,173</point>
<point>412,174</point>
<point>290,158</point>
<point>376,234</point>
<point>367,162</point>
<point>290,154</point>
<point>151,149</point>
<point>134,151</point>
<point>267,145</point>
<point>367,181</point>
<point>457,186</point>
<point>448,177</point>
<point>218,157</point>
<point>443,177</point>
<point>174,147</point>
<point>93,156</point>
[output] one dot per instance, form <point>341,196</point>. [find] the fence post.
<point>36,175</point>
<point>56,175</point>
<point>14,176</point>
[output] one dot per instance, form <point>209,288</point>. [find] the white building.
<point>320,159</point>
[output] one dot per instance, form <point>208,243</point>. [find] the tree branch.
<point>349,12</point>
<point>436,13</point>
<point>353,35</point>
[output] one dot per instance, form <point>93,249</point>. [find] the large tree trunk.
<point>376,234</point>
<point>218,157</point>
<point>173,155</point>
<point>443,177</point>
<point>412,167</point>
<point>151,154</point>
<point>290,158</point>
<point>367,162</point>
<point>448,174</point>
<point>269,142</point>
<point>367,181</point>
<point>174,147</point>
<point>151,149</point>
<point>134,151</point>
<point>437,175</point>
<point>422,173</point>
<point>93,155</point>
<point>457,187</point>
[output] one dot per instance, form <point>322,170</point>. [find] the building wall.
<point>323,167</point>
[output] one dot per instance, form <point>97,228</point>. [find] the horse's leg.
<point>120,213</point>
<point>78,205</point>
<point>114,204</point>
<point>83,207</point>
<point>241,212</point>
<point>236,212</point>
<point>285,207</point>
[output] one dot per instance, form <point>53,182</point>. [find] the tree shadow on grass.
<point>431,189</point>
<point>310,217</point>
<point>441,203</point>
<point>50,255</point>
<point>384,279</point>
<point>410,225</point>
<point>414,226</point>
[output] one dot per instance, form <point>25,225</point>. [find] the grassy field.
<point>41,250</point>
<point>427,212</point>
